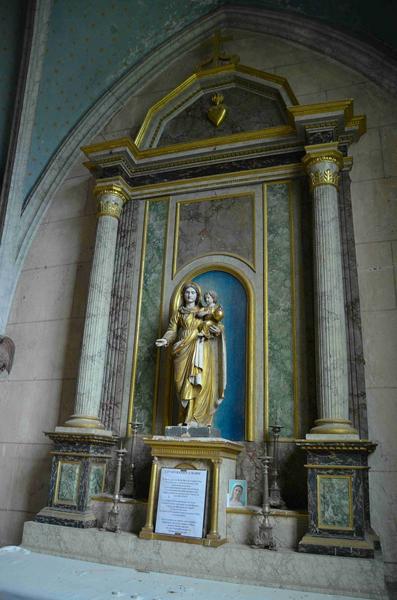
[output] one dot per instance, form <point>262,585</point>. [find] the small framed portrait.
<point>237,494</point>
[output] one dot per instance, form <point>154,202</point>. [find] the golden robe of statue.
<point>198,366</point>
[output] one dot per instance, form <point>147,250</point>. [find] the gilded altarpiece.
<point>232,213</point>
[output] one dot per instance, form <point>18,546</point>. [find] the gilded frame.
<point>57,500</point>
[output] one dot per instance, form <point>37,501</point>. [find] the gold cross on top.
<point>219,56</point>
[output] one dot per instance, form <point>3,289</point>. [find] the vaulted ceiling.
<point>90,45</point>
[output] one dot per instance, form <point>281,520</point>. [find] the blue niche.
<point>230,416</point>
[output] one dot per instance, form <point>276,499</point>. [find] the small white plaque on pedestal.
<point>181,503</point>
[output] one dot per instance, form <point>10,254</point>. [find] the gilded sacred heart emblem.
<point>218,112</point>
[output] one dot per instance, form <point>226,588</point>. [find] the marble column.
<point>92,361</point>
<point>322,163</point>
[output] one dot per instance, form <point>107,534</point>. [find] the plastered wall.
<point>47,316</point>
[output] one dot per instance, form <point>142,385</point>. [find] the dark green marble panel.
<point>280,349</point>
<point>150,313</point>
<point>68,483</point>
<point>95,482</point>
<point>334,501</point>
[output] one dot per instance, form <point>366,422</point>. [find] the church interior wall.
<point>47,314</point>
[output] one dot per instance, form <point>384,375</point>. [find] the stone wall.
<point>47,315</point>
<point>46,323</point>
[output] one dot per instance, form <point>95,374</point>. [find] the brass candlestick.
<point>276,500</point>
<point>129,486</point>
<point>264,537</point>
<point>113,520</point>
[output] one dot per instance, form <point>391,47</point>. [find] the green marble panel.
<point>334,501</point>
<point>280,349</point>
<point>69,475</point>
<point>95,482</point>
<point>150,313</point>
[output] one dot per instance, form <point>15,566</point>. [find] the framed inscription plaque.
<point>181,502</point>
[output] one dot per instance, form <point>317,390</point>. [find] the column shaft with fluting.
<point>93,352</point>
<point>331,344</point>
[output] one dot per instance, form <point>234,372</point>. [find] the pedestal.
<point>218,457</point>
<point>77,473</point>
<point>337,498</point>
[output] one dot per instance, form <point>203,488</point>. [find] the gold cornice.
<point>337,445</point>
<point>193,448</point>
<point>89,438</point>
<point>293,169</point>
<point>342,467</point>
<point>199,160</point>
<point>359,122</point>
<point>79,454</point>
<point>306,110</point>
<point>209,143</point>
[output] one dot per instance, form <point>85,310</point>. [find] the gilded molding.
<point>326,108</point>
<point>169,447</point>
<point>337,445</point>
<point>360,123</point>
<point>103,440</point>
<point>332,467</point>
<point>79,454</point>
<point>123,144</point>
<point>75,463</point>
<point>213,534</point>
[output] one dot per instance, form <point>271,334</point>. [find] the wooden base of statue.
<point>216,456</point>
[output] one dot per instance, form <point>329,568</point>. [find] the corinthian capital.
<point>110,200</point>
<point>322,163</point>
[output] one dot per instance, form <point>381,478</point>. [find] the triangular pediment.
<point>252,100</point>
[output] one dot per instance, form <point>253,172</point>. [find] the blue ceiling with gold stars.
<point>91,44</point>
<point>11,36</point>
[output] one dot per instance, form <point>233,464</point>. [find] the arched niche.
<point>236,416</point>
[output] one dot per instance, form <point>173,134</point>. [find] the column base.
<point>71,518</point>
<point>84,422</point>
<point>337,481</point>
<point>331,546</point>
<point>77,473</point>
<point>93,432</point>
<point>333,427</point>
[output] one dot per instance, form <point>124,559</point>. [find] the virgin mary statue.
<point>199,367</point>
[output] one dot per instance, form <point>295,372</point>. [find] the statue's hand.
<point>161,343</point>
<point>214,329</point>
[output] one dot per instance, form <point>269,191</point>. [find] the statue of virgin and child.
<point>199,354</point>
